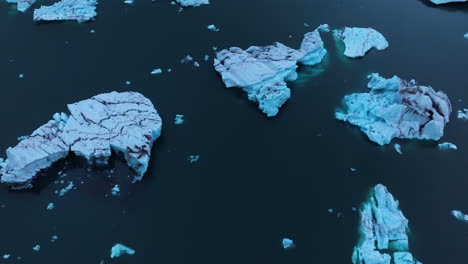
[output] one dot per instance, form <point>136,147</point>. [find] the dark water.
<point>258,180</point>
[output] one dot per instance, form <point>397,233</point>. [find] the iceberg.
<point>262,72</point>
<point>37,247</point>
<point>288,243</point>
<point>193,158</point>
<point>213,28</point>
<point>462,114</point>
<point>22,5</point>
<point>66,189</point>
<point>79,10</point>
<point>186,3</point>
<point>115,190</point>
<point>358,41</point>
<point>460,216</point>
<point>466,35</point>
<point>156,71</point>
<point>447,146</point>
<point>125,123</point>
<point>398,148</point>
<point>6,256</point>
<point>395,108</point>
<point>118,250</point>
<point>438,2</point>
<point>179,119</point>
<point>50,206</point>
<point>383,231</point>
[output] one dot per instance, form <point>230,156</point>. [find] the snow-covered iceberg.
<point>438,2</point>
<point>187,3</point>
<point>383,231</point>
<point>124,122</point>
<point>79,10</point>
<point>262,72</point>
<point>395,108</point>
<point>358,41</point>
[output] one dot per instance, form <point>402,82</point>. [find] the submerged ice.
<point>358,41</point>
<point>125,122</point>
<point>79,10</point>
<point>395,108</point>
<point>262,72</point>
<point>383,231</point>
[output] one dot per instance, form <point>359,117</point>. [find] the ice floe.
<point>438,2</point>
<point>358,41</point>
<point>383,231</point>
<point>50,206</point>
<point>460,216</point>
<point>447,146</point>
<point>395,108</point>
<point>462,114</point>
<point>187,3</point>
<point>79,10</point>
<point>115,190</point>
<point>124,122</point>
<point>213,28</point>
<point>37,247</point>
<point>118,250</point>
<point>262,72</point>
<point>179,119</point>
<point>288,243</point>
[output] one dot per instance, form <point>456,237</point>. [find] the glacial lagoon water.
<point>258,180</point>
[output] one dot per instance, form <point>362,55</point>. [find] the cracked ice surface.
<point>79,10</point>
<point>358,41</point>
<point>396,108</point>
<point>262,72</point>
<point>383,231</point>
<point>123,122</point>
<point>186,3</point>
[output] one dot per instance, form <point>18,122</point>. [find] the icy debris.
<point>447,146</point>
<point>196,64</point>
<point>66,189</point>
<point>79,10</point>
<point>50,206</point>
<point>383,231</point>
<point>22,5</point>
<point>54,238</point>
<point>438,2</point>
<point>395,108</point>
<point>213,28</point>
<point>129,2</point>
<point>123,122</point>
<point>119,250</point>
<point>156,71</point>
<point>306,25</point>
<point>115,190</point>
<point>21,76</point>
<point>179,119</point>
<point>398,148</point>
<point>23,138</point>
<point>128,82</point>
<point>466,35</point>
<point>288,243</point>
<point>186,59</point>
<point>187,3</point>
<point>460,216</point>
<point>262,72</point>
<point>462,114</point>
<point>358,41</point>
<point>92,31</point>
<point>37,247</point>
<point>207,57</point>
<point>193,158</point>
<point>330,210</point>
<point>6,256</point>
<point>353,169</point>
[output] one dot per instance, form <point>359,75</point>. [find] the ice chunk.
<point>66,189</point>
<point>186,3</point>
<point>193,158</point>
<point>383,230</point>
<point>119,249</point>
<point>129,2</point>
<point>196,64</point>
<point>115,190</point>
<point>462,114</point>
<point>21,76</point>
<point>50,206</point>
<point>124,122</point>
<point>213,28</point>
<point>156,71</point>
<point>179,119</point>
<point>396,108</point>
<point>438,2</point>
<point>186,59</point>
<point>54,238</point>
<point>466,35</point>
<point>6,256</point>
<point>79,10</point>
<point>358,41</point>
<point>398,148</point>
<point>460,216</point>
<point>37,247</point>
<point>447,146</point>
<point>262,72</point>
<point>288,243</point>
<point>22,5</point>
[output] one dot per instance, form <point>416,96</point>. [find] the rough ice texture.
<point>79,10</point>
<point>118,250</point>
<point>462,114</point>
<point>186,3</point>
<point>124,122</point>
<point>262,72</point>
<point>447,146</point>
<point>460,216</point>
<point>438,2</point>
<point>396,108</point>
<point>358,41</point>
<point>383,231</point>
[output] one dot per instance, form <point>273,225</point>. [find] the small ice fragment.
<point>462,114</point>
<point>330,210</point>
<point>324,28</point>
<point>128,82</point>
<point>36,248</point>
<point>186,59</point>
<point>173,3</point>
<point>398,148</point>
<point>215,48</point>
<point>193,158</point>
<point>193,2</point>
<point>21,76</point>
<point>447,146</point>
<point>156,71</point>
<point>460,216</point>
<point>196,64</point>
<point>213,28</point>
<point>358,41</point>
<point>6,256</point>
<point>54,238</point>
<point>306,25</point>
<point>466,35</point>
<point>169,70</point>
<point>353,169</point>
<point>207,57</point>
<point>92,31</point>
<point>119,249</point>
<point>22,138</point>
<point>129,2</point>
<point>116,190</point>
<point>179,119</point>
<point>66,189</point>
<point>50,206</point>
<point>288,243</point>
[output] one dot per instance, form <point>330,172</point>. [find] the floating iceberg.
<point>115,190</point>
<point>460,216</point>
<point>396,108</point>
<point>50,206</point>
<point>79,10</point>
<point>193,158</point>
<point>398,148</point>
<point>37,247</point>
<point>118,250</point>
<point>466,35</point>
<point>179,119</point>
<point>213,28</point>
<point>447,146</point>
<point>156,71</point>
<point>186,3</point>
<point>288,243</point>
<point>462,114</point>
<point>262,72</point>
<point>383,231</point>
<point>358,41</point>
<point>124,122</point>
<point>438,2</point>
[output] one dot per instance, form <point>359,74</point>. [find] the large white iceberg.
<point>124,122</point>
<point>79,10</point>
<point>396,108</point>
<point>262,72</point>
<point>358,41</point>
<point>186,3</point>
<point>383,231</point>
